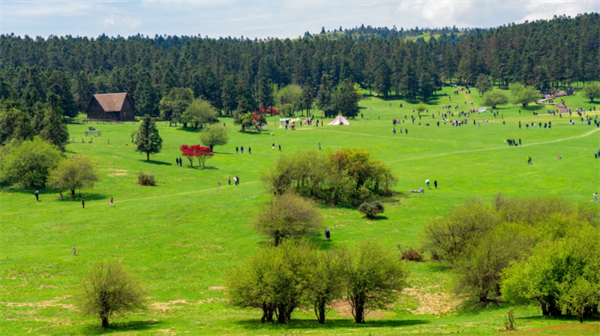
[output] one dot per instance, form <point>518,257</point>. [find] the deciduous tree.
<point>173,104</point>
<point>524,94</point>
<point>109,290</point>
<point>29,162</point>
<point>275,280</point>
<point>591,91</point>
<point>214,135</point>
<point>373,278</point>
<point>199,112</point>
<point>76,172</point>
<point>288,215</point>
<point>495,98</point>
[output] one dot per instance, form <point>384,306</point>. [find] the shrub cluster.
<point>146,179</point>
<point>410,254</point>
<point>371,209</point>
<point>533,250</point>
<point>279,280</point>
<point>348,176</point>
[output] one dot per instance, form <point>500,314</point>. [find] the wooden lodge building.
<point>111,106</point>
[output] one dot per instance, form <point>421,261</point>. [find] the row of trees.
<point>347,176</point>
<point>233,72</point>
<point>294,275</point>
<point>37,163</point>
<point>277,280</point>
<point>523,95</point>
<point>536,250</point>
<point>46,121</point>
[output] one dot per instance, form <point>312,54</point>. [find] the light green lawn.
<point>181,237</point>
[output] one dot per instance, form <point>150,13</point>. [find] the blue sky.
<point>266,18</point>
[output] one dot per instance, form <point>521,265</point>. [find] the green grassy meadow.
<point>181,237</point>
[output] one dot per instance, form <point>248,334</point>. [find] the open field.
<point>182,236</point>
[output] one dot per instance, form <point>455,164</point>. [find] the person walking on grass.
<point>596,197</point>
<point>37,195</point>
<point>319,146</point>
<point>528,159</point>
<point>111,202</point>
<point>237,179</point>
<point>229,179</point>
<point>435,183</point>
<point>427,182</point>
<point>249,150</point>
<point>273,146</point>
<point>280,148</point>
<point>61,195</point>
<point>237,150</point>
<point>242,149</point>
<point>83,203</point>
<point>74,250</point>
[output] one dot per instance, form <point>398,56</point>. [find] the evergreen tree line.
<point>240,74</point>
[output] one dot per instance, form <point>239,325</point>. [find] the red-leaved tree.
<point>196,151</point>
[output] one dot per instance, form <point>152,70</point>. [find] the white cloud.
<point>267,18</point>
<point>121,21</point>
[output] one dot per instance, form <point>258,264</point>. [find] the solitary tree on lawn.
<point>148,140</point>
<point>75,172</point>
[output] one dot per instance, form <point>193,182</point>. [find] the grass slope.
<point>182,236</point>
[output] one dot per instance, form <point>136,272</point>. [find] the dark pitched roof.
<point>111,102</point>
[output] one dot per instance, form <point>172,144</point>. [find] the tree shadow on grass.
<point>189,129</point>
<point>255,324</point>
<point>119,327</point>
<point>541,317</point>
<point>160,163</point>
<point>53,194</point>
<point>472,307</point>
<point>376,218</point>
<point>438,267</point>
<point>87,196</point>
<point>266,133</point>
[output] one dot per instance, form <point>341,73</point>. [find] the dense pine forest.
<point>234,74</point>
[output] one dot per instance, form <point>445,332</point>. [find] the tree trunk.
<point>359,312</point>
<point>72,193</point>
<point>267,314</point>
<point>148,156</point>
<point>544,309</point>
<point>105,322</point>
<point>320,311</point>
<point>277,239</point>
<point>282,314</point>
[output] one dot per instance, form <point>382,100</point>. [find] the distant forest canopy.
<point>368,32</point>
<point>232,73</point>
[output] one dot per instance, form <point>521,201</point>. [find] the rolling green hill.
<point>181,237</point>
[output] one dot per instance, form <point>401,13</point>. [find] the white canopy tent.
<point>283,122</point>
<point>339,120</point>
